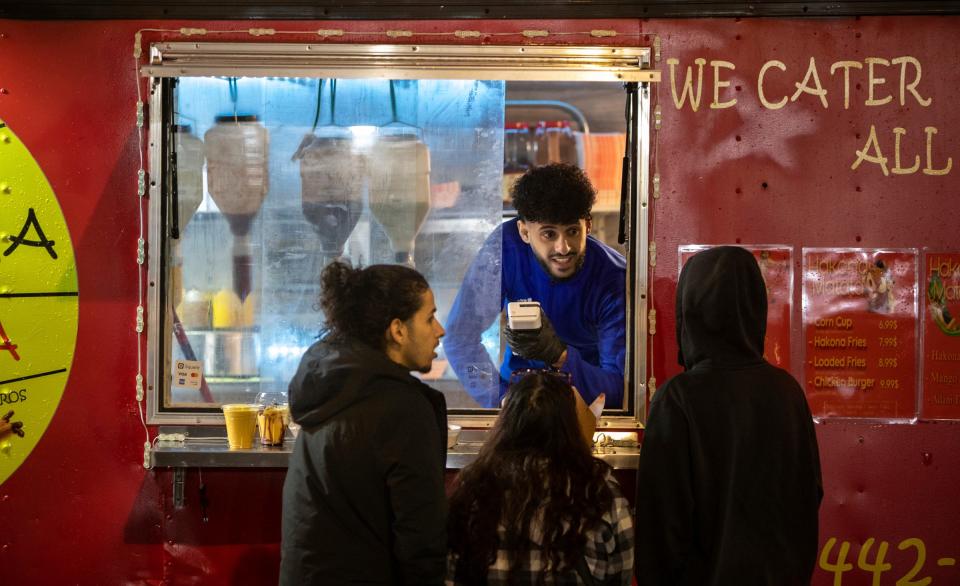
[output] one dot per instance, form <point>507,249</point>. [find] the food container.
<point>231,353</point>
<point>273,416</point>
<point>236,150</point>
<point>294,428</point>
<point>518,156</point>
<point>237,162</point>
<point>190,156</point>
<point>272,423</point>
<point>453,435</point>
<point>226,309</point>
<point>400,189</point>
<point>331,186</point>
<point>195,310</point>
<point>556,143</point>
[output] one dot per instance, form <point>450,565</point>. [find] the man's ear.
<point>589,224</point>
<point>396,332</point>
<point>524,231</point>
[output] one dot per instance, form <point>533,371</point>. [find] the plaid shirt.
<point>608,552</point>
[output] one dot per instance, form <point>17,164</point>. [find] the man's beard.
<point>545,264</point>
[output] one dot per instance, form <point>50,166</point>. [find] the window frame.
<point>502,62</point>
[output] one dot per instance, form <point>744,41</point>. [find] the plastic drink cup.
<point>241,423</point>
<point>271,422</point>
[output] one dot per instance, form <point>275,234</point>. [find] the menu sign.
<point>941,336</point>
<point>776,266</point>
<point>860,332</point>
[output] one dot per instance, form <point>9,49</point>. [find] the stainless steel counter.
<point>471,440</point>
<point>217,454</point>
<point>211,451</point>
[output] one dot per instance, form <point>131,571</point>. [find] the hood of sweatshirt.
<point>721,309</point>
<point>335,375</point>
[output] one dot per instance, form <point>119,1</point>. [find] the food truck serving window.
<point>271,160</point>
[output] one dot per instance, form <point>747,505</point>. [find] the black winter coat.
<point>729,483</point>
<point>363,500</point>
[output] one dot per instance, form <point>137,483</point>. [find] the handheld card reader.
<point>523,315</point>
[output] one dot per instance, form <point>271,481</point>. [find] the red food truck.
<point>173,176</point>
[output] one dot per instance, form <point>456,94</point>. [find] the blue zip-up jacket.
<point>587,311</point>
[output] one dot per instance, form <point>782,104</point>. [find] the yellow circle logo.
<point>38,303</point>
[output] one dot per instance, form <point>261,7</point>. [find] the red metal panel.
<point>68,97</point>
<point>894,484</point>
<point>752,174</point>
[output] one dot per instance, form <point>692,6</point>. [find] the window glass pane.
<point>277,176</point>
<point>578,123</point>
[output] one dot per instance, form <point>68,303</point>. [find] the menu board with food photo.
<point>941,336</point>
<point>860,332</point>
<point>776,266</point>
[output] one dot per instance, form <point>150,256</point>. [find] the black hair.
<point>535,469</point>
<point>556,194</point>
<point>360,303</point>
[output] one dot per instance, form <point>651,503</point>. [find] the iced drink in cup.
<point>241,422</point>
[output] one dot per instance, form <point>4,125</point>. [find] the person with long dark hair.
<point>364,500</point>
<point>536,507</point>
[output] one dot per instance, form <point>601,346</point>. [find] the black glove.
<point>542,344</point>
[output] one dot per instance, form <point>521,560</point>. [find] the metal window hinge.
<point>147,456</point>
<point>652,385</point>
<point>652,322</point>
<point>656,49</point>
<point>656,186</point>
<point>141,182</point>
<point>139,388</point>
<point>600,33</point>
<point>657,118</point>
<point>139,327</point>
<point>653,253</point>
<point>141,251</point>
<point>139,114</point>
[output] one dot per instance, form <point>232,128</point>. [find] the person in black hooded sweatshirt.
<point>364,500</point>
<point>729,485</point>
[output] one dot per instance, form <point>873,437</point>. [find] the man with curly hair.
<point>546,255</point>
